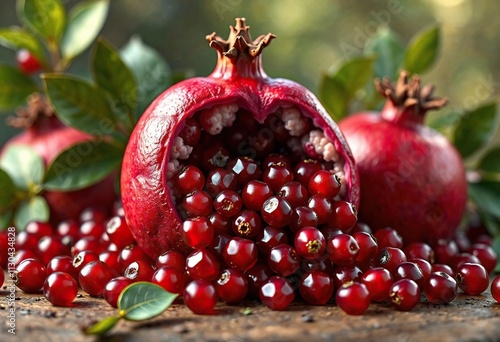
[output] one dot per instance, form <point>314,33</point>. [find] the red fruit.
<point>39,229</point>
<point>197,232</point>
<point>270,237</point>
<point>119,232</point>
<point>189,179</point>
<point>93,278</point>
<point>294,193</point>
<point>472,278</point>
<point>49,137</point>
<point>49,247</point>
<point>495,288</point>
<point>412,177</point>
<point>139,271</point>
<point>324,183</point>
<point>130,254</point>
<point>62,263</point>
<point>30,275</point>
<point>240,253</point>
<point>321,206</point>
<point>82,259</point>
<point>368,247</point>
<point>257,276</point>
<point>342,249</point>
<point>440,288</point>
<point>353,298</point>
<point>200,297</point>
<point>389,258</point>
<point>28,63</point>
<point>316,288</point>
<point>419,250</point>
<point>409,270</point>
<point>202,265</point>
<point>171,279</point>
<point>310,243</point>
<point>486,255</point>
<point>171,259</point>
<point>378,281</point>
<point>344,216</point>
<point>247,223</point>
<point>255,193</point>
<point>26,241</point>
<point>283,260</point>
<point>114,288</point>
<point>344,274</point>
<point>277,293</point>
<point>303,217</point>
<point>237,105</point>
<point>232,286</point>
<point>198,203</point>
<point>443,268</point>
<point>228,203</point>
<point>112,259</point>
<point>404,295</point>
<point>276,212</point>
<point>388,237</point>
<point>60,289</point>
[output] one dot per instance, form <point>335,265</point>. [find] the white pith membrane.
<point>304,143</point>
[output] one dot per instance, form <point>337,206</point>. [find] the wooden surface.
<point>468,318</point>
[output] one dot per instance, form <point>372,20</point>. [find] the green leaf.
<point>79,104</point>
<point>45,17</point>
<point>85,21</point>
<point>142,300</point>
<point>422,51</point>
<point>151,71</point>
<point>475,129</point>
<point>6,219</point>
<point>103,326</point>
<point>112,75</point>
<point>491,161</point>
<point>15,87</point>
<point>8,192</point>
<point>82,165</point>
<point>486,195</point>
<point>24,166</point>
<point>496,247</point>
<point>16,38</point>
<point>34,209</point>
<point>490,222</point>
<point>389,50</point>
<point>339,87</point>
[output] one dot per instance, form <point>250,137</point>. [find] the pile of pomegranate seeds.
<point>251,254</point>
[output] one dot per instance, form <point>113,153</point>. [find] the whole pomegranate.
<point>49,137</point>
<point>412,177</point>
<point>236,147</point>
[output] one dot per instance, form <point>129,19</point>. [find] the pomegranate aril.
<point>200,297</point>
<point>197,203</point>
<point>325,183</point>
<point>404,295</point>
<point>218,245</point>
<point>310,243</point>
<point>276,175</point>
<point>462,258</point>
<point>389,258</point>
<point>424,266</point>
<point>245,170</point>
<point>191,132</point>
<point>283,260</point>
<point>472,278</point>
<point>257,276</point>
<point>408,270</point>
<point>353,298</point>
<point>445,251</point>
<point>87,243</point>
<point>172,259</point>
<point>277,293</point>
<point>60,289</point>
<point>344,215</point>
<point>443,268</point>
<point>270,237</point>
<point>93,277</point>
<point>321,206</point>
<point>255,193</point>
<point>95,214</point>
<point>62,263</point>
<point>232,286</point>
<point>486,255</point>
<point>130,254</point>
<point>220,224</point>
<point>247,223</point>
<point>419,250</point>
<point>24,254</point>
<point>69,229</point>
<point>219,180</point>
<point>294,193</point>
<point>344,274</point>
<point>495,288</point>
<point>304,170</point>
<point>139,271</point>
<point>240,253</point>
<point>379,281</point>
<point>30,275</point>
<point>197,232</point>
<point>316,287</point>
<point>276,212</point>
<point>368,247</point>
<point>388,237</point>
<point>40,229</point>
<point>202,265</point>
<point>92,228</point>
<point>303,217</point>
<point>440,288</point>
<point>27,241</point>
<point>228,203</point>
<point>118,232</point>
<point>322,264</point>
<point>112,259</point>
<point>171,279</point>
<point>49,247</point>
<point>114,288</point>
<point>276,158</point>
<point>342,249</point>
<point>27,62</point>
<point>82,259</point>
<point>215,157</point>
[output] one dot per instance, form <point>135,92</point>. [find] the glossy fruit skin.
<point>171,279</point>
<point>200,297</point>
<point>379,281</point>
<point>113,289</point>
<point>353,298</point>
<point>28,63</point>
<point>232,286</point>
<point>495,288</point>
<point>412,178</point>
<point>440,288</point>
<point>316,287</point>
<point>154,220</point>
<point>404,294</point>
<point>472,278</point>
<point>60,289</point>
<point>30,275</point>
<point>93,278</point>
<point>277,293</point>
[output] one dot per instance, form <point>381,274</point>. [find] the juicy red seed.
<point>495,288</point>
<point>83,258</point>
<point>368,247</point>
<point>232,286</point>
<point>247,224</point>
<point>408,270</point>
<point>25,240</point>
<point>49,247</point>
<point>255,193</point>
<point>304,170</point>
<point>445,251</point>
<point>93,278</point>
<point>197,232</point>
<point>310,243</point>
<point>228,203</point>
<point>171,279</point>
<point>361,227</point>
<point>404,295</point>
<point>218,245</point>
<point>202,265</point>
<point>24,254</point>
<point>277,293</point>
<point>344,215</point>
<point>389,258</point>
<point>118,232</point>
<point>221,224</point>
<point>303,217</point>
<point>96,214</point>
<point>39,229</point>
<point>276,212</point>
<point>325,183</point>
<point>276,175</point>
<point>342,249</point>
<point>321,206</point>
<point>69,228</point>
<point>388,237</point>
<point>191,132</point>
<point>91,228</point>
<point>344,274</point>
<point>486,255</point>
<point>198,203</point>
<point>276,158</point>
<point>257,276</point>
<point>463,258</point>
<point>219,180</point>
<point>62,263</point>
<point>424,266</point>
<point>294,193</point>
<point>172,259</point>
<point>472,278</point>
<point>27,62</point>
<point>245,169</point>
<point>130,254</point>
<point>270,237</point>
<point>440,288</point>
<point>200,297</point>
<point>114,288</point>
<point>139,271</point>
<point>240,253</point>
<point>379,281</point>
<point>443,268</point>
<point>316,287</point>
<point>112,259</point>
<point>419,250</point>
<point>322,264</point>
<point>283,260</point>
<point>30,275</point>
<point>215,157</point>
<point>353,298</point>
<point>86,243</point>
<point>60,289</point>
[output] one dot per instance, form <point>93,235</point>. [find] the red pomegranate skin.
<point>148,208</point>
<point>412,178</point>
<point>49,137</point>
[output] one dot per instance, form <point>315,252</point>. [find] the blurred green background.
<point>312,36</point>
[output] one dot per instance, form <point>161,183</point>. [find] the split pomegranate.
<point>209,146</point>
<point>49,137</point>
<point>412,178</point>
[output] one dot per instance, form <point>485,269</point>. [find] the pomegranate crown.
<point>408,93</point>
<point>37,108</point>
<point>239,42</point>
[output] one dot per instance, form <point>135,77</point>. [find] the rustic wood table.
<point>468,318</point>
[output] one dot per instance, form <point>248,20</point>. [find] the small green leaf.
<point>246,311</point>
<point>151,71</point>
<point>491,161</point>
<point>486,195</point>
<point>475,129</point>
<point>142,300</point>
<point>8,192</point>
<point>389,50</point>
<point>82,165</point>
<point>15,87</point>
<point>339,87</point>
<point>85,21</point>
<point>45,17</point>
<point>6,219</point>
<point>422,51</point>
<point>16,38</point>
<point>79,104</point>
<point>490,222</point>
<point>24,166</point>
<point>103,326</point>
<point>112,75</point>
<point>34,209</point>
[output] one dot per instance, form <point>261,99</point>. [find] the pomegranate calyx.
<point>408,95</point>
<point>37,109</point>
